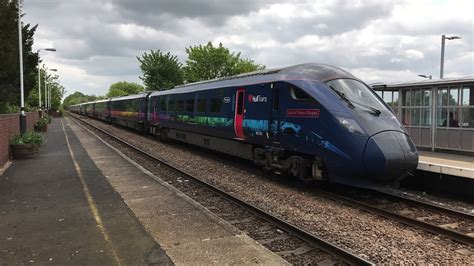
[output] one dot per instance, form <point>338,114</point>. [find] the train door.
<point>275,114</point>
<point>239,113</point>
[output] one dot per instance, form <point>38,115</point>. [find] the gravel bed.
<point>374,238</point>
<point>440,200</point>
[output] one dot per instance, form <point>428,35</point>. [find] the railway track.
<point>458,226</point>
<point>291,242</point>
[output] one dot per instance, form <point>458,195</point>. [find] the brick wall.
<point>9,125</point>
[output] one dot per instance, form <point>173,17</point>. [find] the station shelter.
<point>438,114</point>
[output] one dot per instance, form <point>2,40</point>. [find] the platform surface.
<point>445,163</point>
<point>79,202</point>
<point>47,218</point>
<point>186,231</point>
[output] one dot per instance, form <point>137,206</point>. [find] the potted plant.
<point>26,145</point>
<point>48,118</point>
<point>41,125</point>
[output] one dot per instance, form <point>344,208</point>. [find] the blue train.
<point>311,121</point>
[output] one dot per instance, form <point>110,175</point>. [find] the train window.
<point>276,99</point>
<point>201,105</point>
<point>163,103</point>
<point>298,94</point>
<point>190,106</point>
<point>171,105</point>
<point>216,104</point>
<point>179,105</point>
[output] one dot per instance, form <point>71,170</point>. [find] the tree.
<point>9,59</point>
<point>209,62</point>
<point>160,71</point>
<point>124,88</point>
<point>79,97</point>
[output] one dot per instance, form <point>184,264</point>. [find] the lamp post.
<point>443,39</point>
<point>426,76</point>
<point>22,94</point>
<point>39,74</point>
<point>49,90</point>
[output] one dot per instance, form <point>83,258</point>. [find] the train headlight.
<point>350,124</point>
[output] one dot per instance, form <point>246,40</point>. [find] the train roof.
<point>130,97</point>
<point>311,71</point>
<point>101,101</point>
<point>425,82</point>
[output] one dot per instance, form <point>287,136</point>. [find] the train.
<point>310,121</point>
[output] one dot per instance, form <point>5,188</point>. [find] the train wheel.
<point>299,169</point>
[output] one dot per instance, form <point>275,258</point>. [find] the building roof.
<point>425,82</point>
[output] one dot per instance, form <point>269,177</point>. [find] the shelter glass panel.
<point>417,95</point>
<point>426,117</point>
<point>415,117</point>
<point>443,97</point>
<point>426,98</point>
<point>387,97</point>
<point>467,117</point>
<point>406,96</point>
<point>441,117</point>
<point>467,96</point>
<point>453,97</point>
<point>406,116</point>
<point>395,98</point>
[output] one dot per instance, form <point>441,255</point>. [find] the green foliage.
<point>78,97</point>
<point>28,138</point>
<point>9,59</point>
<point>160,71</point>
<point>124,88</point>
<point>209,62</point>
<point>41,123</point>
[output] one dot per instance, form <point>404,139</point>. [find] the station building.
<point>438,114</point>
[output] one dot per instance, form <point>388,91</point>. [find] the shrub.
<point>28,138</point>
<point>41,124</point>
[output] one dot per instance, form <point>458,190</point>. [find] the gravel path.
<point>374,238</point>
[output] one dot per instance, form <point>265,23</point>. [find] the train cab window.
<point>190,106</point>
<point>298,94</point>
<point>216,104</point>
<point>180,106</point>
<point>201,105</point>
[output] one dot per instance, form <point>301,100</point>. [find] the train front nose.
<point>390,155</point>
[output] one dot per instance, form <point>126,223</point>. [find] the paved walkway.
<point>188,232</point>
<point>55,209</point>
<point>80,202</point>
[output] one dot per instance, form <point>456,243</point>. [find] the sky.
<point>97,41</point>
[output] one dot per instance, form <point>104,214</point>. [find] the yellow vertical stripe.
<point>90,201</point>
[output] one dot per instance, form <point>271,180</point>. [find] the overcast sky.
<point>97,41</point>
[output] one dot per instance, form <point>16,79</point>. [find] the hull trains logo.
<point>257,98</point>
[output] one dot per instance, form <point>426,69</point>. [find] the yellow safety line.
<point>90,201</point>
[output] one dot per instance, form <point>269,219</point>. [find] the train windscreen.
<point>355,92</point>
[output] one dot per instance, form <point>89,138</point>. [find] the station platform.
<point>81,202</point>
<point>447,164</point>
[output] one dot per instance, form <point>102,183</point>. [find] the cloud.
<point>98,41</point>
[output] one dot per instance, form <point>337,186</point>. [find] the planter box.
<point>20,151</point>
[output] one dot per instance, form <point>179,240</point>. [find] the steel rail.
<point>304,235</point>
<point>432,228</point>
<point>427,205</point>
